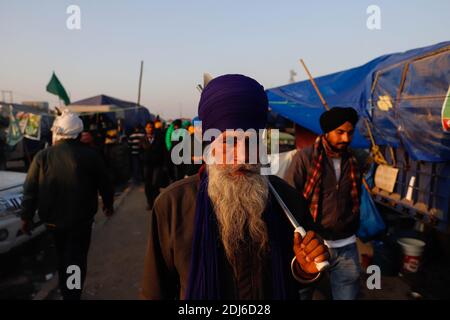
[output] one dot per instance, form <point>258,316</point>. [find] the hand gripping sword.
<point>298,228</point>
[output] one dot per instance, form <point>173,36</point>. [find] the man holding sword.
<point>228,232</point>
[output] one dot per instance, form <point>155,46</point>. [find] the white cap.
<point>67,126</point>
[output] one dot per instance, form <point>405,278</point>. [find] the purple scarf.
<point>204,280</point>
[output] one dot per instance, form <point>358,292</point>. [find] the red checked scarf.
<point>313,183</point>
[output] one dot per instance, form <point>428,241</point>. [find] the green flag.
<point>55,87</point>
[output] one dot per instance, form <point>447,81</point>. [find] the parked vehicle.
<point>11,195</point>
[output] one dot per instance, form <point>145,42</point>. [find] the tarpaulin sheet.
<point>401,95</point>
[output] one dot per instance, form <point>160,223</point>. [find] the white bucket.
<point>412,249</point>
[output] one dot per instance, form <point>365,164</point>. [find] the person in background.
<point>161,131</point>
<point>135,144</point>
<point>95,130</point>
<point>328,176</point>
<point>158,124</point>
<point>87,139</point>
<point>195,137</point>
<point>153,149</point>
<point>176,124</point>
<point>121,134</point>
<point>62,184</point>
<point>173,138</point>
<point>111,155</point>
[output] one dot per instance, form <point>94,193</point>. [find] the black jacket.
<point>154,151</point>
<point>63,184</point>
<point>335,219</point>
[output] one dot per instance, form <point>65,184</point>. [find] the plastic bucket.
<point>412,253</point>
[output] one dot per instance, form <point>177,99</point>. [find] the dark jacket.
<point>168,257</point>
<point>154,151</point>
<point>63,184</point>
<point>335,219</point>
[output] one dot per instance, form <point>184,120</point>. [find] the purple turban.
<point>233,101</point>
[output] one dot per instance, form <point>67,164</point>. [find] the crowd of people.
<point>142,155</point>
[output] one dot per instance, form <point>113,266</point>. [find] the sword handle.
<point>319,265</point>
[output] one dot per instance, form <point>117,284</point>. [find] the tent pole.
<point>140,85</point>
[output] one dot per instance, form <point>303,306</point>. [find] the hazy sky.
<point>179,40</point>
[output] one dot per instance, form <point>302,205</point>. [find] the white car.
<point>11,194</point>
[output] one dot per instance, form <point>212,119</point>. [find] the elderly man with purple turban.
<point>221,234</point>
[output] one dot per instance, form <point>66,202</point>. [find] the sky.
<point>180,40</point>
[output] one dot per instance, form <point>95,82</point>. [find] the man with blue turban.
<point>220,234</point>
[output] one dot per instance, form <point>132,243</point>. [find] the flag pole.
<point>140,84</point>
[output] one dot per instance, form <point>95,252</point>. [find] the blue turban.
<point>233,101</point>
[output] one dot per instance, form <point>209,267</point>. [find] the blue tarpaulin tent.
<point>133,115</point>
<point>401,95</point>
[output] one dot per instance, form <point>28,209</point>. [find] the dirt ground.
<point>116,257</point>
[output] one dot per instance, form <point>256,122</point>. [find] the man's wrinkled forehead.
<point>231,137</point>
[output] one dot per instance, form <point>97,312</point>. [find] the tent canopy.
<point>132,114</point>
<point>401,95</point>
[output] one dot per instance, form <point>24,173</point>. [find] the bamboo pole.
<point>325,104</point>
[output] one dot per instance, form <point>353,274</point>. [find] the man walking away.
<point>135,143</point>
<point>154,176</point>
<point>63,184</point>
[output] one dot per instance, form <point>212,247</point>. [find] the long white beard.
<point>239,202</point>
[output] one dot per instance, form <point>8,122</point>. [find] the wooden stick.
<point>315,86</point>
<point>366,185</point>
<point>369,131</point>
